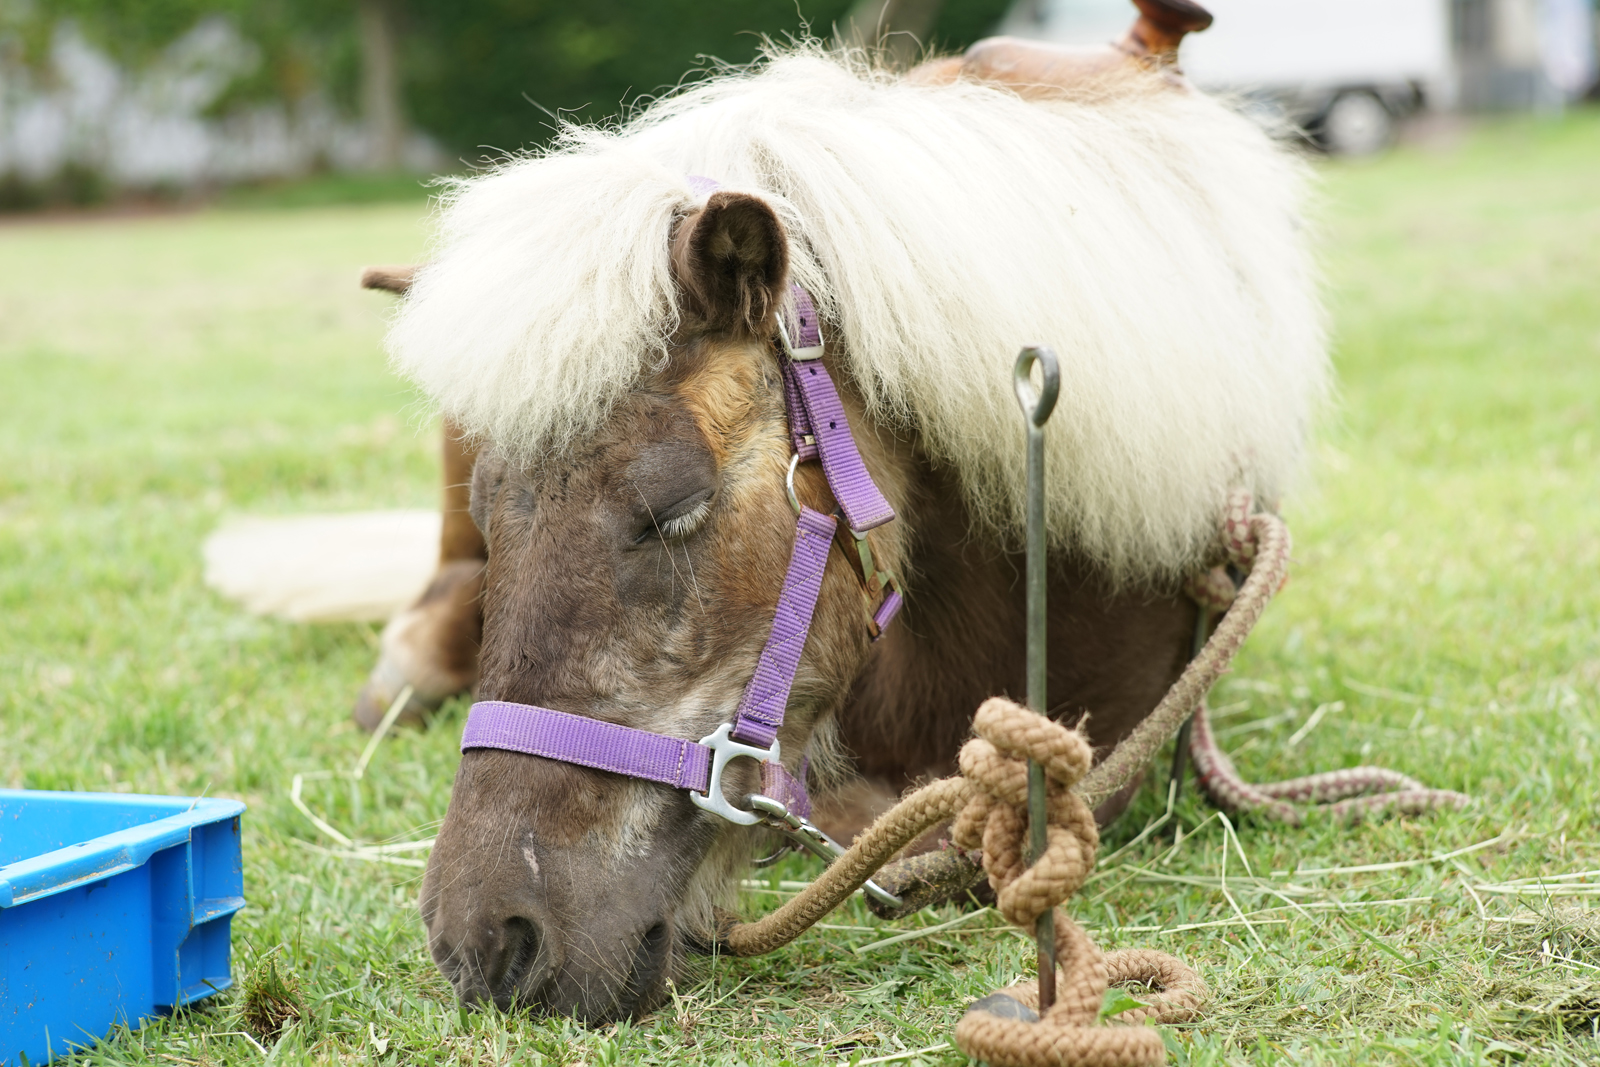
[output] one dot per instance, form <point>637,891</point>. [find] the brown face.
<point>633,579</point>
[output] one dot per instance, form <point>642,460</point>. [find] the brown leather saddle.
<point>1035,69</point>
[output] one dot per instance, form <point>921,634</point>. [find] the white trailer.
<point>1342,71</point>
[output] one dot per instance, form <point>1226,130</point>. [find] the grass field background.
<point>159,374</point>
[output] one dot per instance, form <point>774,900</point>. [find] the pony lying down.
<point>600,325</point>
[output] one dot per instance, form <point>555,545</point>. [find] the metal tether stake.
<point>1036,407</point>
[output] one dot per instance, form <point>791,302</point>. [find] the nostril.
<point>521,952</point>
<point>655,941</point>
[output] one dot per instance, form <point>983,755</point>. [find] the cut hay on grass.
<point>162,374</point>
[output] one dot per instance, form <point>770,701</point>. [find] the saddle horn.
<point>1161,27</point>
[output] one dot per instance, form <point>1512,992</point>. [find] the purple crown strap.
<point>863,505</point>
<point>761,709</point>
<point>578,739</point>
<point>807,331</point>
<point>805,442</point>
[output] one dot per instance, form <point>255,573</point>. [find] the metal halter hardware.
<point>724,748</point>
<point>881,589</point>
<point>809,352</point>
<point>803,833</point>
<point>819,430</point>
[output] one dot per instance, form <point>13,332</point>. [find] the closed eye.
<point>676,523</point>
<point>678,527</point>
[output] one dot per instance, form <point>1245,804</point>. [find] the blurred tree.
<point>381,104</point>
<point>295,37</point>
<point>489,74</point>
<point>346,48</point>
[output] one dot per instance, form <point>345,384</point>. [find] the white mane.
<point>1153,238</point>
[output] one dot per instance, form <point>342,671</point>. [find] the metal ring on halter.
<point>799,355</point>
<point>724,749</point>
<point>788,483</point>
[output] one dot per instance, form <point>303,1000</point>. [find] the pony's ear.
<point>730,259</point>
<point>395,279</point>
<point>488,474</point>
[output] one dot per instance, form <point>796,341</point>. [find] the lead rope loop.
<point>1268,559</point>
<point>988,803</point>
<point>1351,794</point>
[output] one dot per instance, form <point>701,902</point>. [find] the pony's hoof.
<point>432,646</point>
<point>375,700</point>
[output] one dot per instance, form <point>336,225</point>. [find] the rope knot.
<point>995,819</point>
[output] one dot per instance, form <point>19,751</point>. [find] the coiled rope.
<point>989,806</point>
<point>995,818</point>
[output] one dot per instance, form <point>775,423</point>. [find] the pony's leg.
<point>432,646</point>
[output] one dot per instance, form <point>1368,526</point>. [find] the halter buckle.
<point>877,585</point>
<point>799,355</point>
<point>724,748</point>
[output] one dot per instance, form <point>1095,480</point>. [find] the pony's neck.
<point>960,639</point>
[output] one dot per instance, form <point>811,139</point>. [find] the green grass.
<point>326,190</point>
<point>159,374</point>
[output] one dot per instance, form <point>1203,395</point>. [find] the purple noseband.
<point>819,430</point>
<point>619,749</point>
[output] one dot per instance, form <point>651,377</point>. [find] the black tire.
<point>1356,123</point>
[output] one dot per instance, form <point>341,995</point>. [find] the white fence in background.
<point>150,127</point>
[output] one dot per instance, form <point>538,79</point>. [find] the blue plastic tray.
<point>113,909</point>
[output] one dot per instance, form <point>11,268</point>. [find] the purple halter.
<point>819,430</point>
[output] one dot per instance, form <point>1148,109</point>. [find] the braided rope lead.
<point>1257,545</point>
<point>1350,795</point>
<point>989,806</point>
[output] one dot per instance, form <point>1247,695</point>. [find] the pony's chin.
<point>654,963</point>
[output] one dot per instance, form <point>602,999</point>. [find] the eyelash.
<point>681,526</point>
